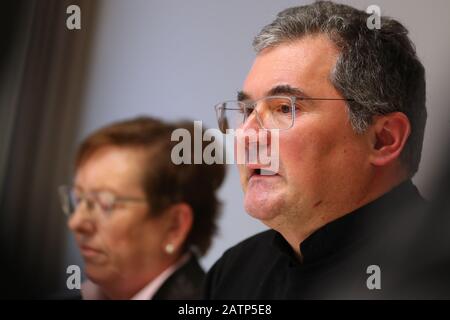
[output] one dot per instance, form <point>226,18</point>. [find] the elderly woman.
<point>139,220</point>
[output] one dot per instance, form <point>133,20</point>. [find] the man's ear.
<point>179,225</point>
<point>389,134</point>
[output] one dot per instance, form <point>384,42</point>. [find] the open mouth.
<point>260,172</point>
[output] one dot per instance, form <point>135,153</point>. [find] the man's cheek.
<point>291,153</point>
<point>242,175</point>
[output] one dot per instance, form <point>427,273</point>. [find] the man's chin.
<point>261,208</point>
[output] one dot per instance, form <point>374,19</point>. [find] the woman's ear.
<point>180,219</point>
<point>389,134</point>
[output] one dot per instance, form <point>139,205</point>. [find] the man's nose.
<point>252,122</point>
<point>254,139</point>
<point>82,220</point>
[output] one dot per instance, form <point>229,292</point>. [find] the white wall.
<point>175,59</point>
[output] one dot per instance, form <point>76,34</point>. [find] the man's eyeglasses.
<point>276,112</point>
<point>103,202</point>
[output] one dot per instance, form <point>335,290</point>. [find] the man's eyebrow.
<point>286,89</point>
<point>241,96</point>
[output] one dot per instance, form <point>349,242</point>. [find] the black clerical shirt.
<point>365,254</point>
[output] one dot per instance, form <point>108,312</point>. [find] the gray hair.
<point>378,69</point>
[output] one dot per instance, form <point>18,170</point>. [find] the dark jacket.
<point>370,253</point>
<point>184,284</point>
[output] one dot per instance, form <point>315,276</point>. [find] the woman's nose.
<point>82,221</point>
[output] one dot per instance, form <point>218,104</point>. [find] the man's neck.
<point>295,229</point>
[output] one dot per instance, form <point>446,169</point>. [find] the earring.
<point>170,248</point>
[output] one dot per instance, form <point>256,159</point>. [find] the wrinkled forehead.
<point>306,64</point>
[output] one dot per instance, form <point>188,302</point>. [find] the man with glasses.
<point>140,221</point>
<point>348,103</point>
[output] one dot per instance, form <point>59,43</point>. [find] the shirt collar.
<point>354,227</point>
<point>149,291</point>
